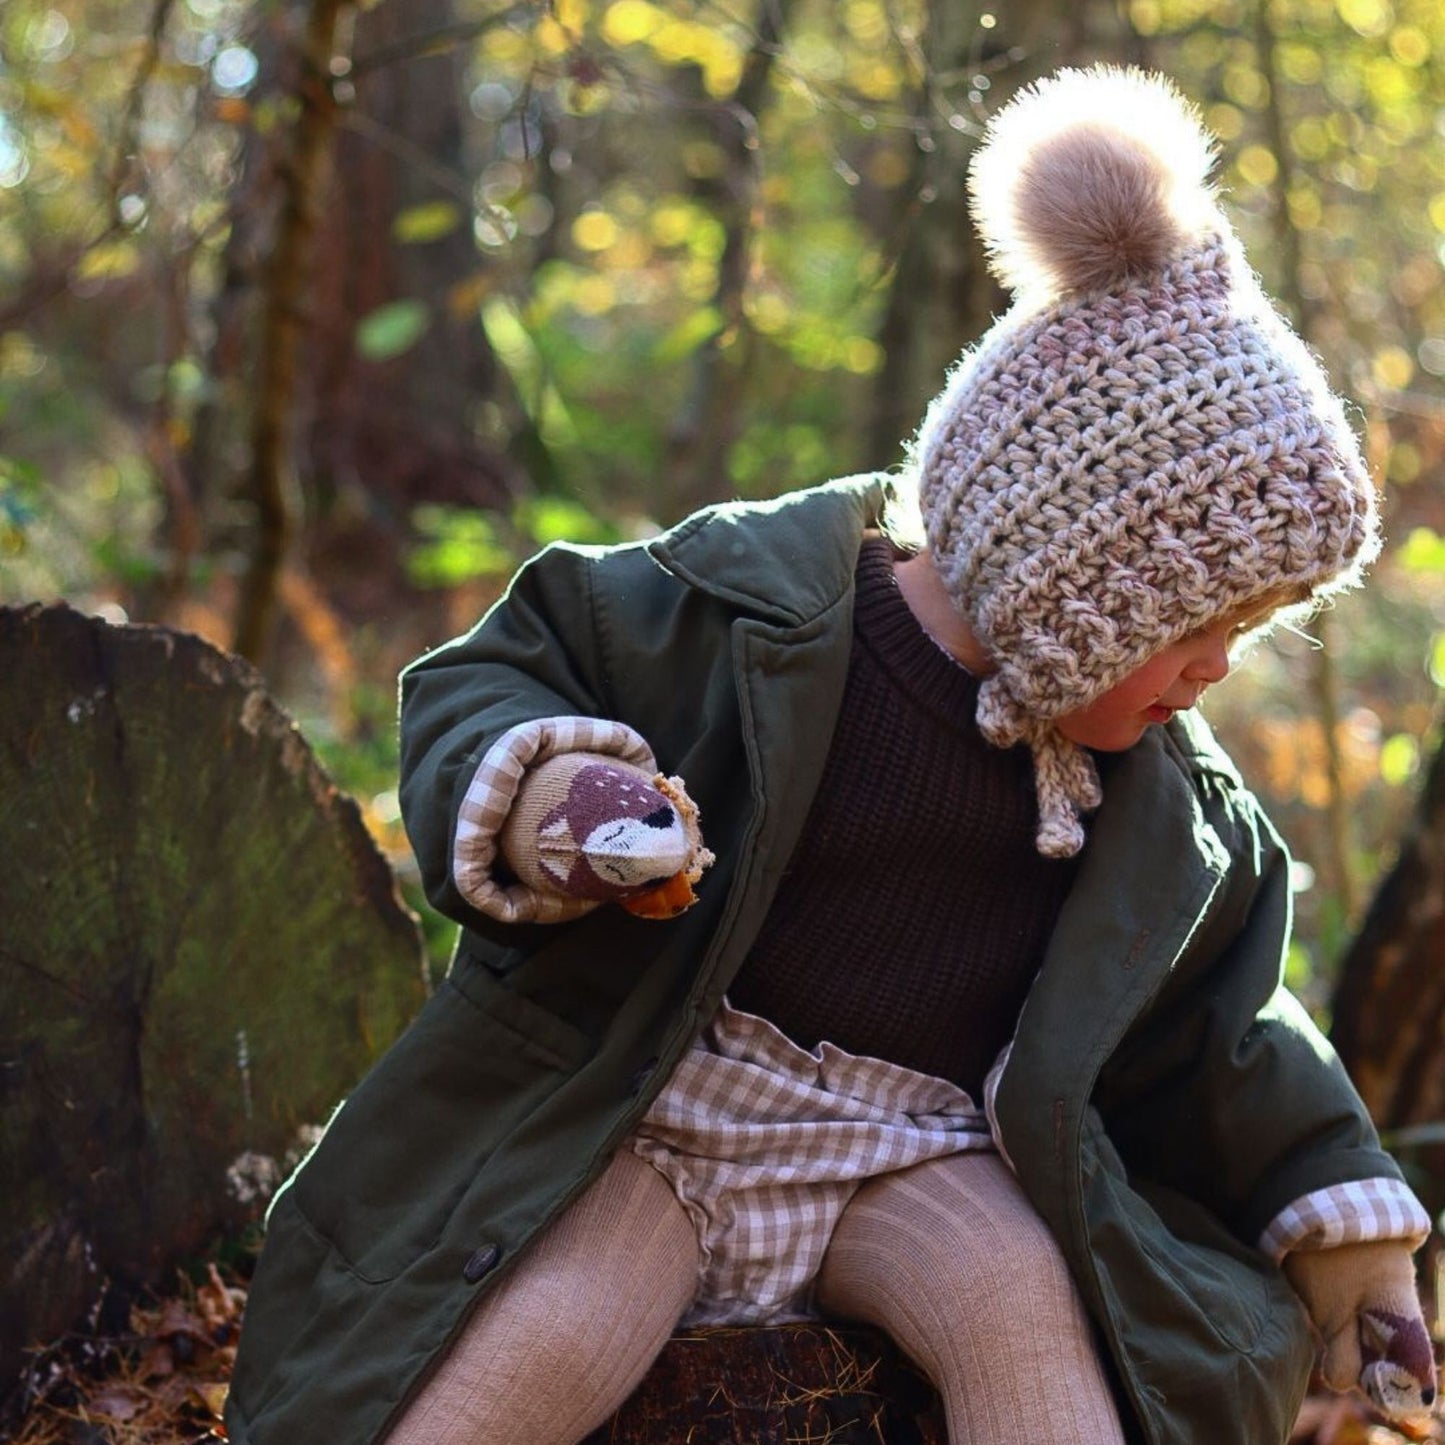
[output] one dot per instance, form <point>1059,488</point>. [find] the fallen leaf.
<point>218,1305</point>
<point>212,1394</point>
<point>1330,1420</point>
<point>176,1319</point>
<point>119,1402</point>
<point>157,1363</point>
<point>174,1394</point>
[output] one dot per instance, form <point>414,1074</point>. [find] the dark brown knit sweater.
<point>915,909</point>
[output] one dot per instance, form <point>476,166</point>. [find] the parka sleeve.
<point>1225,1090</point>
<point>527,680</point>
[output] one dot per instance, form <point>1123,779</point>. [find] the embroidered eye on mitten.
<point>1363,1301</point>
<point>590,826</point>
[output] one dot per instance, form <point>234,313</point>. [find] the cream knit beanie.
<point>1141,445</point>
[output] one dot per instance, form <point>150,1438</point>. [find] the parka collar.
<point>1151,868</point>
<point>785,561</point>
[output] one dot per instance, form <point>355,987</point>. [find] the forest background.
<point>316,318</point>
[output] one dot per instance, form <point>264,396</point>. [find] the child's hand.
<point>589,826</point>
<point>1362,1300</point>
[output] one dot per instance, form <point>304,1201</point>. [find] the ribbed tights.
<point>948,1257</point>
<point>951,1260</point>
<point>566,1337</point>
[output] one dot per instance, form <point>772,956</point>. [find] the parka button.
<point>481,1263</point>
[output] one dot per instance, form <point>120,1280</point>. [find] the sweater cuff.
<point>1360,1212</point>
<point>493,790</point>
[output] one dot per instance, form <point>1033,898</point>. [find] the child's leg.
<point>950,1258</point>
<point>566,1337</point>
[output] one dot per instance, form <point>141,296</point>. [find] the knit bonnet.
<point>1140,446</point>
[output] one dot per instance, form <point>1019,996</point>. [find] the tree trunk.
<point>273,484</point>
<point>202,952</point>
<point>708,424</point>
<point>1389,1004</point>
<point>386,435</point>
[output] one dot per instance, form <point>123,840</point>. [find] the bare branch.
<point>436,42</point>
<point>123,165</point>
<point>444,177</point>
<point>54,279</point>
<point>43,286</point>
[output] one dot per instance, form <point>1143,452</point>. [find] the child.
<point>974,1028</point>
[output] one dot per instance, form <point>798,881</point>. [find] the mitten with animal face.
<point>589,826</point>
<point>1363,1302</point>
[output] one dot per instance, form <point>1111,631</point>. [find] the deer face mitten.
<point>1363,1302</point>
<point>590,826</point>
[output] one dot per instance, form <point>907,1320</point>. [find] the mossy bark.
<point>201,951</point>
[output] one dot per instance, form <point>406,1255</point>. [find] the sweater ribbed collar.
<point>884,623</point>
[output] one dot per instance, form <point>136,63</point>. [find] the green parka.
<point>1163,1099</point>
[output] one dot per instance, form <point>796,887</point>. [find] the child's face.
<point>1168,682</point>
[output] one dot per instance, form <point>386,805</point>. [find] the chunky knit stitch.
<point>1140,446</point>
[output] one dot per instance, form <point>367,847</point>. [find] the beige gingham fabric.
<point>489,798</point>
<point>765,1143</point>
<point>1368,1209</point>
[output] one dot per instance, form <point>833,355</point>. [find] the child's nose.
<point>1210,664</point>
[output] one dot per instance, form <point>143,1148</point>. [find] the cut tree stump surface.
<point>202,950</point>
<point>785,1385</point>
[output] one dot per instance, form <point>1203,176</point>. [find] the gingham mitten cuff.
<point>1351,1213</point>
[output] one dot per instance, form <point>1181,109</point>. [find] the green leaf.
<point>560,519</point>
<point>687,336</point>
<point>135,567</point>
<point>19,488</point>
<point>1423,551</point>
<point>510,339</point>
<point>392,329</point>
<point>417,225</point>
<point>17,475</point>
<point>1399,758</point>
<point>462,545</point>
<point>109,261</point>
<point>1299,967</point>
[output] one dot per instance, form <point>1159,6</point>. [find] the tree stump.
<point>843,1385</point>
<point>201,951</point>
<point>1389,1004</point>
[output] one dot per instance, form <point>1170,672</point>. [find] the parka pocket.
<point>1168,1263</point>
<point>401,1152</point>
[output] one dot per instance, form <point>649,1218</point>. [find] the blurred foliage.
<point>459,545</point>
<point>653,248</point>
<point>361,757</point>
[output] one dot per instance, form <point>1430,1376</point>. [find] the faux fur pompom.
<point>1089,177</point>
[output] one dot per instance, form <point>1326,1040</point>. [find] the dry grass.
<point>162,1381</point>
